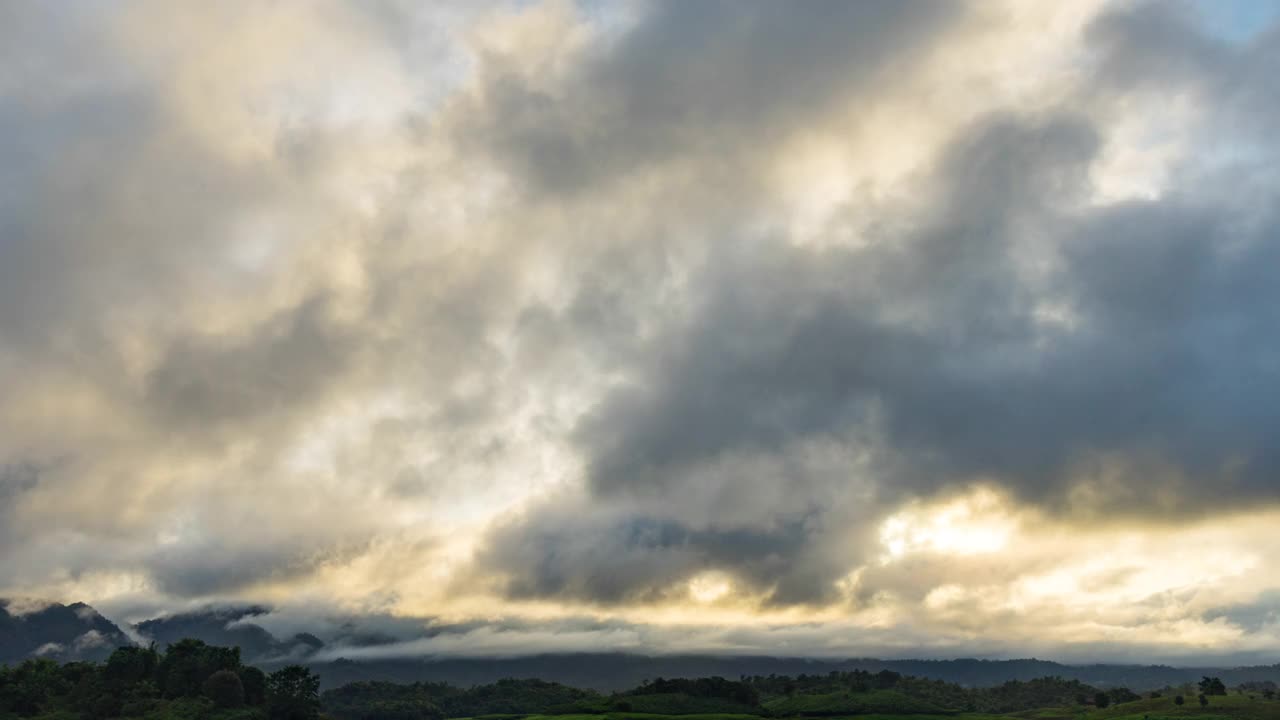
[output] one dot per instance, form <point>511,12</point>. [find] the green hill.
<point>680,704</point>
<point>1220,706</point>
<point>887,702</point>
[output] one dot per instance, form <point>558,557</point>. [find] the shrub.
<point>254,682</point>
<point>225,689</point>
<point>293,693</point>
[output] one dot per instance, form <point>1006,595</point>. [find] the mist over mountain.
<point>615,671</point>
<point>59,632</point>
<point>79,632</point>
<point>229,626</point>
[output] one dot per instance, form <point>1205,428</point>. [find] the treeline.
<point>188,680</point>
<point>712,687</point>
<point>1011,696</point>
<point>191,680</point>
<point>378,700</point>
<point>833,694</point>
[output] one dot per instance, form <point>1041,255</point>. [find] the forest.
<point>193,680</point>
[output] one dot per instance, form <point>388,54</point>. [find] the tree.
<point>1177,700</point>
<point>399,710</point>
<point>254,682</point>
<point>1212,686</point>
<point>26,687</point>
<point>380,700</point>
<point>1101,700</point>
<point>293,693</point>
<point>188,663</point>
<point>129,666</point>
<point>1122,695</point>
<point>886,679</point>
<point>225,689</point>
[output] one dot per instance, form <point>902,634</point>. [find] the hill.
<point>230,626</point>
<point>78,631</point>
<point>59,632</point>
<point>190,680</point>
<point>616,671</point>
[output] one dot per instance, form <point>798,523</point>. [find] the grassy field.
<point>729,716</point>
<point>621,716</point>
<point>1220,706</point>
<point>876,702</point>
<point>1231,707</point>
<point>1051,713</point>
<point>887,705</point>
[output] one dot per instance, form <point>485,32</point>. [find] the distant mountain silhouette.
<point>616,671</point>
<point>78,632</point>
<point>228,626</point>
<point>59,632</point>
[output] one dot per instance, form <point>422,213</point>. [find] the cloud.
<point>692,80</point>
<point>280,365</point>
<point>1092,359</point>
<point>647,315</point>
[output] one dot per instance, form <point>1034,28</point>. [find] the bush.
<point>293,693</point>
<point>130,666</point>
<point>381,700</point>
<point>1122,695</point>
<point>225,689</point>
<point>107,706</point>
<point>188,663</point>
<point>401,710</point>
<point>254,682</point>
<point>1212,686</point>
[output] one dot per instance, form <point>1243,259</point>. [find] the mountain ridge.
<point>79,632</point>
<point>59,632</point>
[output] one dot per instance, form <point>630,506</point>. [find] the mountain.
<point>230,626</point>
<point>59,632</point>
<point>78,632</point>
<point>616,671</point>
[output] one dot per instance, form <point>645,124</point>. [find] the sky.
<point>907,329</point>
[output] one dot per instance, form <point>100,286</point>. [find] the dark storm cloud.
<point>1252,616</point>
<point>704,78</point>
<point>788,342</point>
<point>127,313</point>
<point>635,558</point>
<point>1155,42</point>
<point>1161,48</point>
<point>1106,360</point>
<point>790,345</point>
<point>15,479</point>
<point>212,566</point>
<point>107,203</point>
<point>283,365</point>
